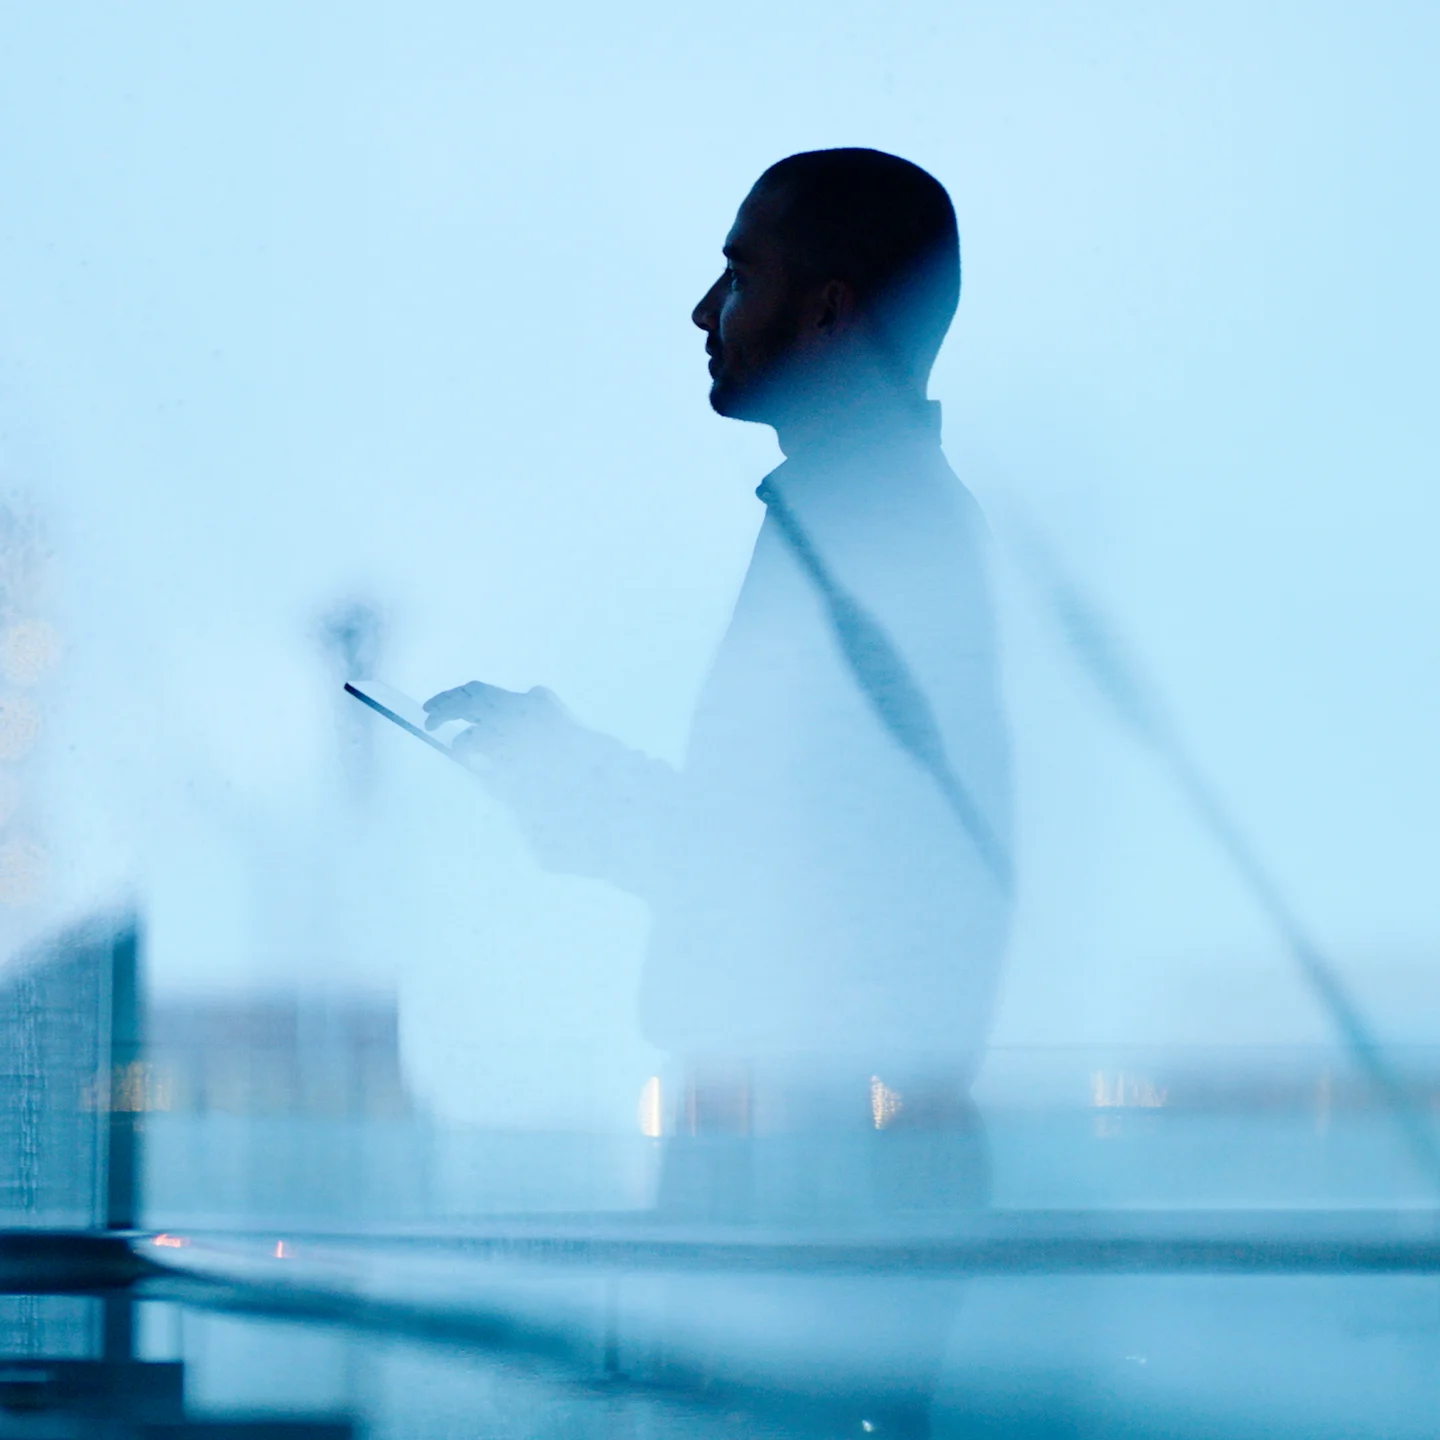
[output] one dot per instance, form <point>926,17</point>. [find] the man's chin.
<point>733,402</point>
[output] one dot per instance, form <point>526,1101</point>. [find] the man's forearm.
<point>589,805</point>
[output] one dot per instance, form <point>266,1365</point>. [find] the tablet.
<point>408,714</point>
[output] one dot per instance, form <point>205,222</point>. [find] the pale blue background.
<point>306,301</point>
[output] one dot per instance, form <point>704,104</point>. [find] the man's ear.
<point>836,308</point>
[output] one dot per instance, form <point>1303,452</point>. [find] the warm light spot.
<point>136,1088</point>
<point>1126,1092</point>
<point>171,1242</point>
<point>885,1103</point>
<point>19,727</point>
<point>652,1114</point>
<point>129,1090</point>
<point>283,1251</point>
<point>29,650</point>
<point>23,868</point>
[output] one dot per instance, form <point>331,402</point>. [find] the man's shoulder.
<point>955,490</point>
<point>899,518</point>
<point>928,509</point>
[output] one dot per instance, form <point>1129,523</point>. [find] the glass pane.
<point>1009,829</point>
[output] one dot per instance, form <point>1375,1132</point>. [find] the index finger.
<point>465,702</point>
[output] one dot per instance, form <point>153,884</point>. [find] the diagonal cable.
<point>1095,645</point>
<point>888,683</point>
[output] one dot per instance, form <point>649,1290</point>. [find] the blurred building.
<point>1252,1126</point>
<point>281,1109</point>
<point>317,1055</point>
<point>60,1079</point>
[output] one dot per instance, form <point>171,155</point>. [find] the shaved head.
<point>842,276</point>
<point>882,224</point>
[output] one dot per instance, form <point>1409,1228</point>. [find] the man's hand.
<point>500,721</point>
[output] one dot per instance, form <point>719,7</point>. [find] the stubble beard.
<point>760,395</point>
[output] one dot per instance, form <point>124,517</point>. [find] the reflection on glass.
<point>778,1067</point>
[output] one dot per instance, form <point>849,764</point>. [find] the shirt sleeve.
<point>587,804</point>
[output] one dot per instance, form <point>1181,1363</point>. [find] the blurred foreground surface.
<point>1180,1242</point>
<point>584,1330</point>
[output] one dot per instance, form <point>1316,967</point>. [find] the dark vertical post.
<point>128,1085</point>
<point>129,1090</point>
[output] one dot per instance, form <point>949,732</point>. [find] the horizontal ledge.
<point>57,1262</point>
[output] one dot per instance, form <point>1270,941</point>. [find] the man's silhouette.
<point>828,873</point>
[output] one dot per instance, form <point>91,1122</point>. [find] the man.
<point>828,873</point>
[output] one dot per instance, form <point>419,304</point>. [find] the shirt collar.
<point>856,452</point>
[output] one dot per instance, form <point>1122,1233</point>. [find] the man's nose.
<point>707,313</point>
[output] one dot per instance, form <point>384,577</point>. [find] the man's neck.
<point>842,420</point>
